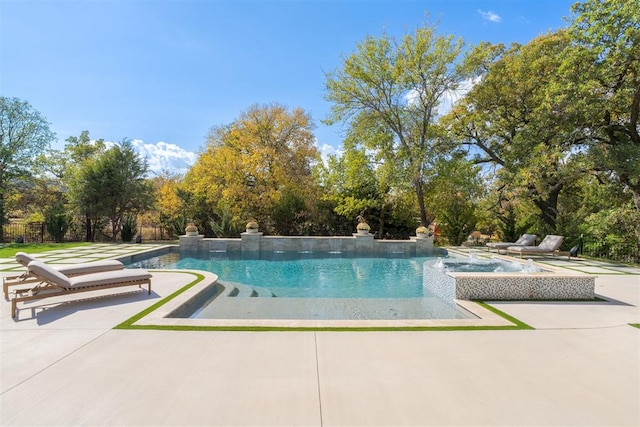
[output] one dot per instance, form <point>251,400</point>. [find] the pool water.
<point>319,285</point>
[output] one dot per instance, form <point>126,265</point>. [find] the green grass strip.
<point>519,324</point>
<point>635,325</point>
<point>129,323</point>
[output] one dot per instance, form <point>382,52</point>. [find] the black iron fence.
<point>36,232</point>
<point>619,252</point>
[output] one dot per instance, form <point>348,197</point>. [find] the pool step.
<point>233,289</point>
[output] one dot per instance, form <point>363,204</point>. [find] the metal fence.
<point>36,232</point>
<point>620,252</point>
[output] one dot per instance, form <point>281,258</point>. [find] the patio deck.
<point>66,365</point>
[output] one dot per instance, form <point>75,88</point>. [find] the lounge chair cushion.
<point>549,244</point>
<point>90,267</point>
<point>24,258</point>
<point>524,240</point>
<point>40,269</point>
<point>108,277</point>
<point>75,269</point>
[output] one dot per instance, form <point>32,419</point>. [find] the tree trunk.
<point>549,206</point>
<point>1,215</point>
<point>636,203</point>
<point>88,228</point>
<point>420,194</point>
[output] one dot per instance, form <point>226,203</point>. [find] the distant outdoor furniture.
<point>549,245</point>
<point>68,270</point>
<point>524,240</point>
<point>53,283</point>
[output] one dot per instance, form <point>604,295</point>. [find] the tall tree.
<point>602,88</point>
<point>78,153</point>
<point>515,124</point>
<point>397,86</point>
<point>114,185</point>
<point>24,133</point>
<point>250,164</point>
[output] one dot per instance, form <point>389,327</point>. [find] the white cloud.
<point>165,157</point>
<point>326,150</point>
<point>489,16</point>
<point>449,98</point>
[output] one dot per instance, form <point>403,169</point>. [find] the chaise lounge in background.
<point>524,240</point>
<point>549,245</point>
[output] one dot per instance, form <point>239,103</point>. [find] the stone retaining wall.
<point>358,243</point>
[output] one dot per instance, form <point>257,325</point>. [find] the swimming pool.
<point>315,285</point>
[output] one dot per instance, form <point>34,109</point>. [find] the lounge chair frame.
<point>47,289</point>
<point>26,278</point>
<point>502,246</point>
<point>540,249</point>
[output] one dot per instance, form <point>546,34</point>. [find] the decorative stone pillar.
<point>424,245</point>
<point>250,242</point>
<point>191,243</point>
<point>364,242</point>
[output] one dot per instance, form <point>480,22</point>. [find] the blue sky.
<point>163,72</point>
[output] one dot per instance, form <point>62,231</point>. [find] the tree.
<point>602,87</point>
<point>396,87</point>
<point>24,133</point>
<point>114,185</point>
<point>249,165</point>
<point>457,191</point>
<point>514,122</point>
<point>79,152</point>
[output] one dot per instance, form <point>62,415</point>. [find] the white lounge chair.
<point>53,283</point>
<point>68,270</point>
<point>549,245</point>
<point>524,240</point>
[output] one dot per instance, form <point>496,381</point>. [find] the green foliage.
<point>611,226</point>
<point>113,185</point>
<point>79,153</point>
<point>457,188</point>
<point>518,125</point>
<point>222,226</point>
<point>24,134</point>
<point>249,165</point>
<point>602,85</point>
<point>57,221</point>
<point>289,214</point>
<point>129,228</point>
<point>388,93</point>
<point>177,225</point>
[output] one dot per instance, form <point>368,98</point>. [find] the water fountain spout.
<point>530,267</point>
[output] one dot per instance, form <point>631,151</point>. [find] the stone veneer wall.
<point>531,286</point>
<point>256,242</point>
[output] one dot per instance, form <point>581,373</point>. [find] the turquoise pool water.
<point>319,285</point>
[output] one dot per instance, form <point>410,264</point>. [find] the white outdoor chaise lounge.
<point>524,240</point>
<point>549,245</point>
<point>68,270</point>
<point>53,283</point>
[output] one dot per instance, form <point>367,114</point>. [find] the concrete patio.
<point>66,365</point>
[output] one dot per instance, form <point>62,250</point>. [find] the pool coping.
<point>158,317</point>
<point>486,317</point>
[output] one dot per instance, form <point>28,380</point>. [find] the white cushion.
<point>24,258</point>
<point>109,278</point>
<point>43,271</point>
